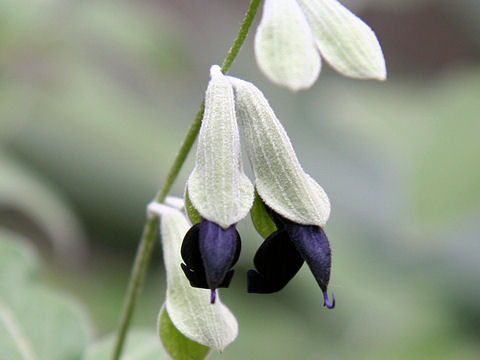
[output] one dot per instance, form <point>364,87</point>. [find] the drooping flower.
<point>294,33</point>
<point>188,308</point>
<point>282,254</point>
<point>298,206</point>
<point>209,253</point>
<point>218,190</point>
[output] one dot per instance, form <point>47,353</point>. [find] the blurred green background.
<point>96,96</point>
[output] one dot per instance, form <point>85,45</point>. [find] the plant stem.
<point>149,234</point>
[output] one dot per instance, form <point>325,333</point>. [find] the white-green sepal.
<point>189,308</point>
<point>344,40</point>
<point>284,46</point>
<point>217,187</point>
<point>279,178</point>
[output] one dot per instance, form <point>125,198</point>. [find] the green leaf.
<point>262,222</point>
<point>12,339</point>
<point>176,344</point>
<point>140,345</point>
<point>18,262</point>
<point>43,324</point>
<point>36,323</point>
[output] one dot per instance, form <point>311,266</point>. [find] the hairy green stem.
<point>149,234</point>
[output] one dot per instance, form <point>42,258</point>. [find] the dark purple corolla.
<point>283,253</point>
<point>209,253</point>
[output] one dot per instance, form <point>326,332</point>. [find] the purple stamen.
<point>326,302</point>
<point>213,296</point>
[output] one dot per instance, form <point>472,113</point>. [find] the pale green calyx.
<point>279,178</point>
<point>294,33</point>
<point>189,308</point>
<point>344,40</point>
<point>284,46</point>
<point>217,187</point>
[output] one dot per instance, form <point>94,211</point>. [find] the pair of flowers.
<point>290,208</point>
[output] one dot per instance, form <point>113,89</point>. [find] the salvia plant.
<point>287,206</point>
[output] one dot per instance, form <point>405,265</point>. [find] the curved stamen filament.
<point>326,301</point>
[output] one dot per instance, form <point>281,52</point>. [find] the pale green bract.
<point>345,41</point>
<point>284,46</point>
<point>189,308</point>
<point>36,322</point>
<point>294,33</point>
<point>279,178</point>
<point>217,187</point>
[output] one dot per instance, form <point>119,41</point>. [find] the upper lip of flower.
<point>282,254</point>
<point>280,180</point>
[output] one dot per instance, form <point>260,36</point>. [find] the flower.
<point>209,253</point>
<point>298,206</point>
<point>282,254</point>
<point>187,308</point>
<point>292,35</point>
<point>218,190</point>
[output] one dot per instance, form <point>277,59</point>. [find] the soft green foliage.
<point>260,219</point>
<point>36,323</point>
<point>18,263</point>
<point>176,344</point>
<point>140,345</point>
<point>42,323</point>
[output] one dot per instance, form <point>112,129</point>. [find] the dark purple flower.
<point>209,253</point>
<point>283,253</point>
